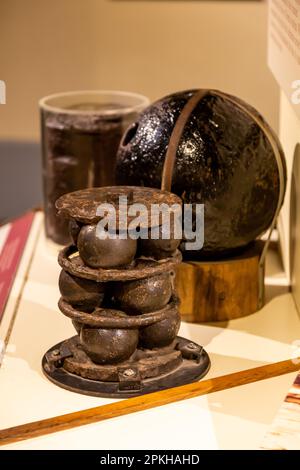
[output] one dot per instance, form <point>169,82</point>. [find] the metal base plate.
<point>190,370</point>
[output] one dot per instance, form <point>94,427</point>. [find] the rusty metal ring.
<point>76,267</point>
<point>128,322</point>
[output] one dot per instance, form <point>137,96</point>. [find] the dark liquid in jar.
<point>79,151</point>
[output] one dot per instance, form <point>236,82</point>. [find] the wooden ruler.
<point>145,402</point>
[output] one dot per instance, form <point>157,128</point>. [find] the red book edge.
<point>11,254</point>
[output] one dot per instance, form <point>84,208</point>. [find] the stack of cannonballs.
<point>119,293</point>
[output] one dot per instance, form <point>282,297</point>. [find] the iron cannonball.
<point>106,253</point>
<point>224,160</point>
<point>158,248</point>
<point>143,295</point>
<point>108,345</point>
<point>81,292</point>
<point>162,333</point>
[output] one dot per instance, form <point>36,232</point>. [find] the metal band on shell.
<point>170,158</point>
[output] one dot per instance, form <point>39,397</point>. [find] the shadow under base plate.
<point>183,363</point>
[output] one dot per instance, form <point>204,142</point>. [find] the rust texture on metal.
<point>99,317</point>
<point>140,268</point>
<point>119,294</point>
<point>82,205</point>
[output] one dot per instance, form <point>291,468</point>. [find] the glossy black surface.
<point>224,160</point>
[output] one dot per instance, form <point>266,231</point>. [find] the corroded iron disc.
<point>186,370</point>
<point>99,319</point>
<point>82,205</point>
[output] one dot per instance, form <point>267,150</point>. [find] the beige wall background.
<point>152,47</point>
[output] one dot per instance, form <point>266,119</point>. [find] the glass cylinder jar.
<point>81,133</point>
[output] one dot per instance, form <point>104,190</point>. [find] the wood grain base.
<point>222,290</point>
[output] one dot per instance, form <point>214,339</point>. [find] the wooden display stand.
<point>221,290</point>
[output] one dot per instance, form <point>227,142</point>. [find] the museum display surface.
<point>149,247</point>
